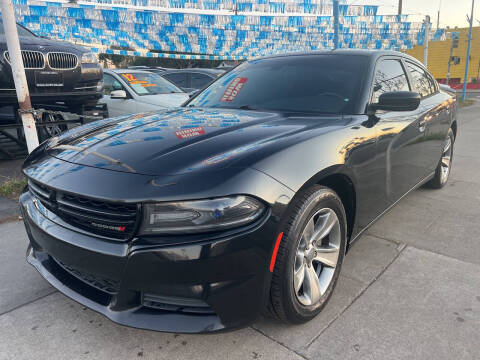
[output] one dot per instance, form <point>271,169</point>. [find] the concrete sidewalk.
<point>409,289</point>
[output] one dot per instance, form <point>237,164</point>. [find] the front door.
<point>400,133</point>
<point>117,107</point>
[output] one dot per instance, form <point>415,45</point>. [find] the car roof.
<point>198,70</point>
<point>374,54</point>
<point>123,71</point>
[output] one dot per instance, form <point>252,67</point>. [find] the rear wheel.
<point>49,131</point>
<point>444,167</point>
<point>309,257</point>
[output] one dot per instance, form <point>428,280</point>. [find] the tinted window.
<point>179,79</point>
<point>21,30</point>
<point>311,84</point>
<point>199,81</point>
<point>389,76</point>
<point>110,84</point>
<point>145,83</point>
<point>421,81</point>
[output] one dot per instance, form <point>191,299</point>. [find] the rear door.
<point>400,133</point>
<point>434,114</point>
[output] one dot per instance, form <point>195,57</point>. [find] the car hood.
<point>165,100</point>
<point>177,141</point>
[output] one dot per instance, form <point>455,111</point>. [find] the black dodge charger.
<point>242,201</point>
<point>56,71</point>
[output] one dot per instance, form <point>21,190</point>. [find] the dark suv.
<point>56,71</point>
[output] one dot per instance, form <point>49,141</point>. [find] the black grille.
<point>62,61</point>
<point>31,59</point>
<point>100,282</point>
<point>176,304</point>
<point>104,218</point>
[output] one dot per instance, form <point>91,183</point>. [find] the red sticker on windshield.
<point>188,133</point>
<point>233,89</point>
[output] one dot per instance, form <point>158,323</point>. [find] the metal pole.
<point>425,41</point>
<point>438,13</point>
<point>18,71</point>
<point>399,7</point>
<point>465,80</point>
<point>335,23</point>
<point>450,61</point>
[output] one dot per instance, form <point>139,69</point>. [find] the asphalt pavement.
<point>409,289</point>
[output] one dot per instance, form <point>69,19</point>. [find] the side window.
<point>389,76</point>
<point>199,81</point>
<point>179,79</point>
<point>422,83</point>
<point>110,84</point>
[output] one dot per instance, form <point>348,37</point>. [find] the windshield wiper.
<point>247,107</point>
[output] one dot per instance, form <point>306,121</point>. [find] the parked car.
<point>448,88</point>
<point>197,219</point>
<point>192,80</point>
<point>132,91</point>
<point>56,71</point>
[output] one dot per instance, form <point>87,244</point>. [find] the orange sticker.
<point>130,77</point>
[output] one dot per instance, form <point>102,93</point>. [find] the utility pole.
<point>18,71</point>
<point>425,40</point>
<point>336,23</point>
<point>453,46</point>
<point>400,7</point>
<point>438,14</point>
<point>467,61</point>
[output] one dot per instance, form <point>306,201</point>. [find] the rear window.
<point>422,82</point>
<point>326,84</point>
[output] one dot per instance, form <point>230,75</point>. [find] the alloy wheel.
<point>53,130</point>
<point>316,257</point>
<point>446,160</point>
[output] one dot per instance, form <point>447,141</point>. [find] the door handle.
<point>422,124</point>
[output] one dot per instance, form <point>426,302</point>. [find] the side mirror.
<point>118,94</point>
<point>396,101</point>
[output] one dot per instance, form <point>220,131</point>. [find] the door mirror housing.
<point>118,94</point>
<point>396,101</point>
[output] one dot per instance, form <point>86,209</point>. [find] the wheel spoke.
<point>447,145</point>
<point>327,255</point>
<point>325,224</point>
<point>309,231</point>
<point>446,161</point>
<point>299,277</point>
<point>311,286</point>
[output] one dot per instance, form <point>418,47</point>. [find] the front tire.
<point>310,256</point>
<point>444,167</point>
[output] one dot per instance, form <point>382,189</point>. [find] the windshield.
<point>327,84</point>
<point>149,83</point>
<point>21,30</point>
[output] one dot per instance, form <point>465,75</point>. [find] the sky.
<point>452,12</point>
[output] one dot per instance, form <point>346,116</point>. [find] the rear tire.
<point>310,256</point>
<point>444,166</point>
<point>53,130</point>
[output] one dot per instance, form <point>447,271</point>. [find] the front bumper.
<point>212,284</point>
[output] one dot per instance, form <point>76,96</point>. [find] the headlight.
<point>200,216</point>
<point>89,58</point>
